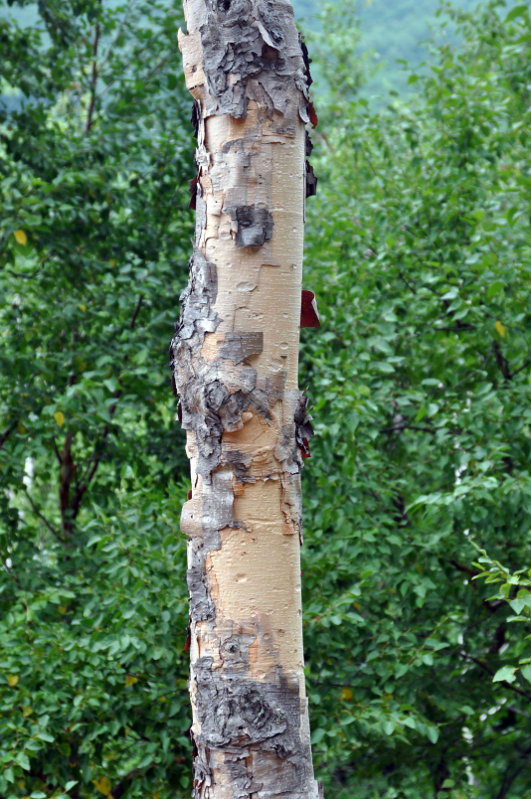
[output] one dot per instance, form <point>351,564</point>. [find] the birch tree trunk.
<point>234,358</point>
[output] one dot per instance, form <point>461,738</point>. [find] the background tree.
<point>419,255</point>
<point>94,168</point>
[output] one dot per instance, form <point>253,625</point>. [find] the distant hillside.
<point>394,31</point>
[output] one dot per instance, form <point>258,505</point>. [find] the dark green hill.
<point>394,32</point>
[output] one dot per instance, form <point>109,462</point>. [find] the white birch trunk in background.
<point>234,357</point>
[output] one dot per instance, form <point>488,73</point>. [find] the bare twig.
<point>521,368</point>
<point>123,23</point>
<point>94,77</point>
<point>43,518</point>
<point>5,435</point>
<point>486,669</point>
<point>97,454</point>
<point>137,311</point>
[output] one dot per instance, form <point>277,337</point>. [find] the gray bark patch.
<point>239,346</point>
<point>237,713</point>
<point>255,224</point>
<point>200,395</point>
<point>251,51</point>
<point>201,603</point>
<point>239,463</point>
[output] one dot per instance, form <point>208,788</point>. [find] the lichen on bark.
<point>234,362</point>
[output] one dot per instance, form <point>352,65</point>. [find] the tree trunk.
<point>234,358</point>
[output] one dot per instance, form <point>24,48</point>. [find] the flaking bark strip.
<point>249,53</point>
<point>311,181</point>
<point>239,717</point>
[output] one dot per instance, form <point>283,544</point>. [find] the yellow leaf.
<point>59,418</point>
<point>357,605</point>
<point>21,428</point>
<point>500,328</point>
<point>27,710</point>
<point>112,262</point>
<point>131,679</point>
<point>83,307</point>
<point>12,680</point>
<point>346,694</point>
<point>103,784</point>
<point>20,237</point>
<point>63,609</point>
<point>162,698</point>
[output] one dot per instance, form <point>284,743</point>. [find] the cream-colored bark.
<point>235,357</point>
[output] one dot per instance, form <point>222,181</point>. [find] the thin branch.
<point>43,518</point>
<point>407,283</point>
<point>463,568</point>
<point>155,69</point>
<point>141,79</point>
<point>455,328</point>
<point>22,276</point>
<point>5,435</point>
<point>501,361</point>
<point>399,426</point>
<point>489,671</point>
<point>507,781</point>
<point>95,459</point>
<point>137,311</point>
<point>94,77</point>
<point>125,20</point>
<point>521,368</point>
<point>518,711</point>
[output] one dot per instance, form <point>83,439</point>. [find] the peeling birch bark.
<point>234,359</point>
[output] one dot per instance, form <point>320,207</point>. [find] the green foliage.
<point>514,593</point>
<point>95,156</point>
<point>390,34</point>
<point>418,251</point>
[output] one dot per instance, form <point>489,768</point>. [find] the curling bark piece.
<point>234,358</point>
<point>309,312</point>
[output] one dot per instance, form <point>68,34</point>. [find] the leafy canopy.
<point>95,156</point>
<point>418,251</point>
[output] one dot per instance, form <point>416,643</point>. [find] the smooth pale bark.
<point>234,358</point>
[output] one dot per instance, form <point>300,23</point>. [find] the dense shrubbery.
<point>418,252</point>
<point>94,245</point>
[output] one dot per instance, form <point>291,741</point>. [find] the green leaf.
<point>23,761</point>
<point>526,672</point>
<point>318,735</point>
<point>518,11</point>
<point>432,733</point>
<point>506,674</point>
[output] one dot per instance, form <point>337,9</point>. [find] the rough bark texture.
<point>234,358</point>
